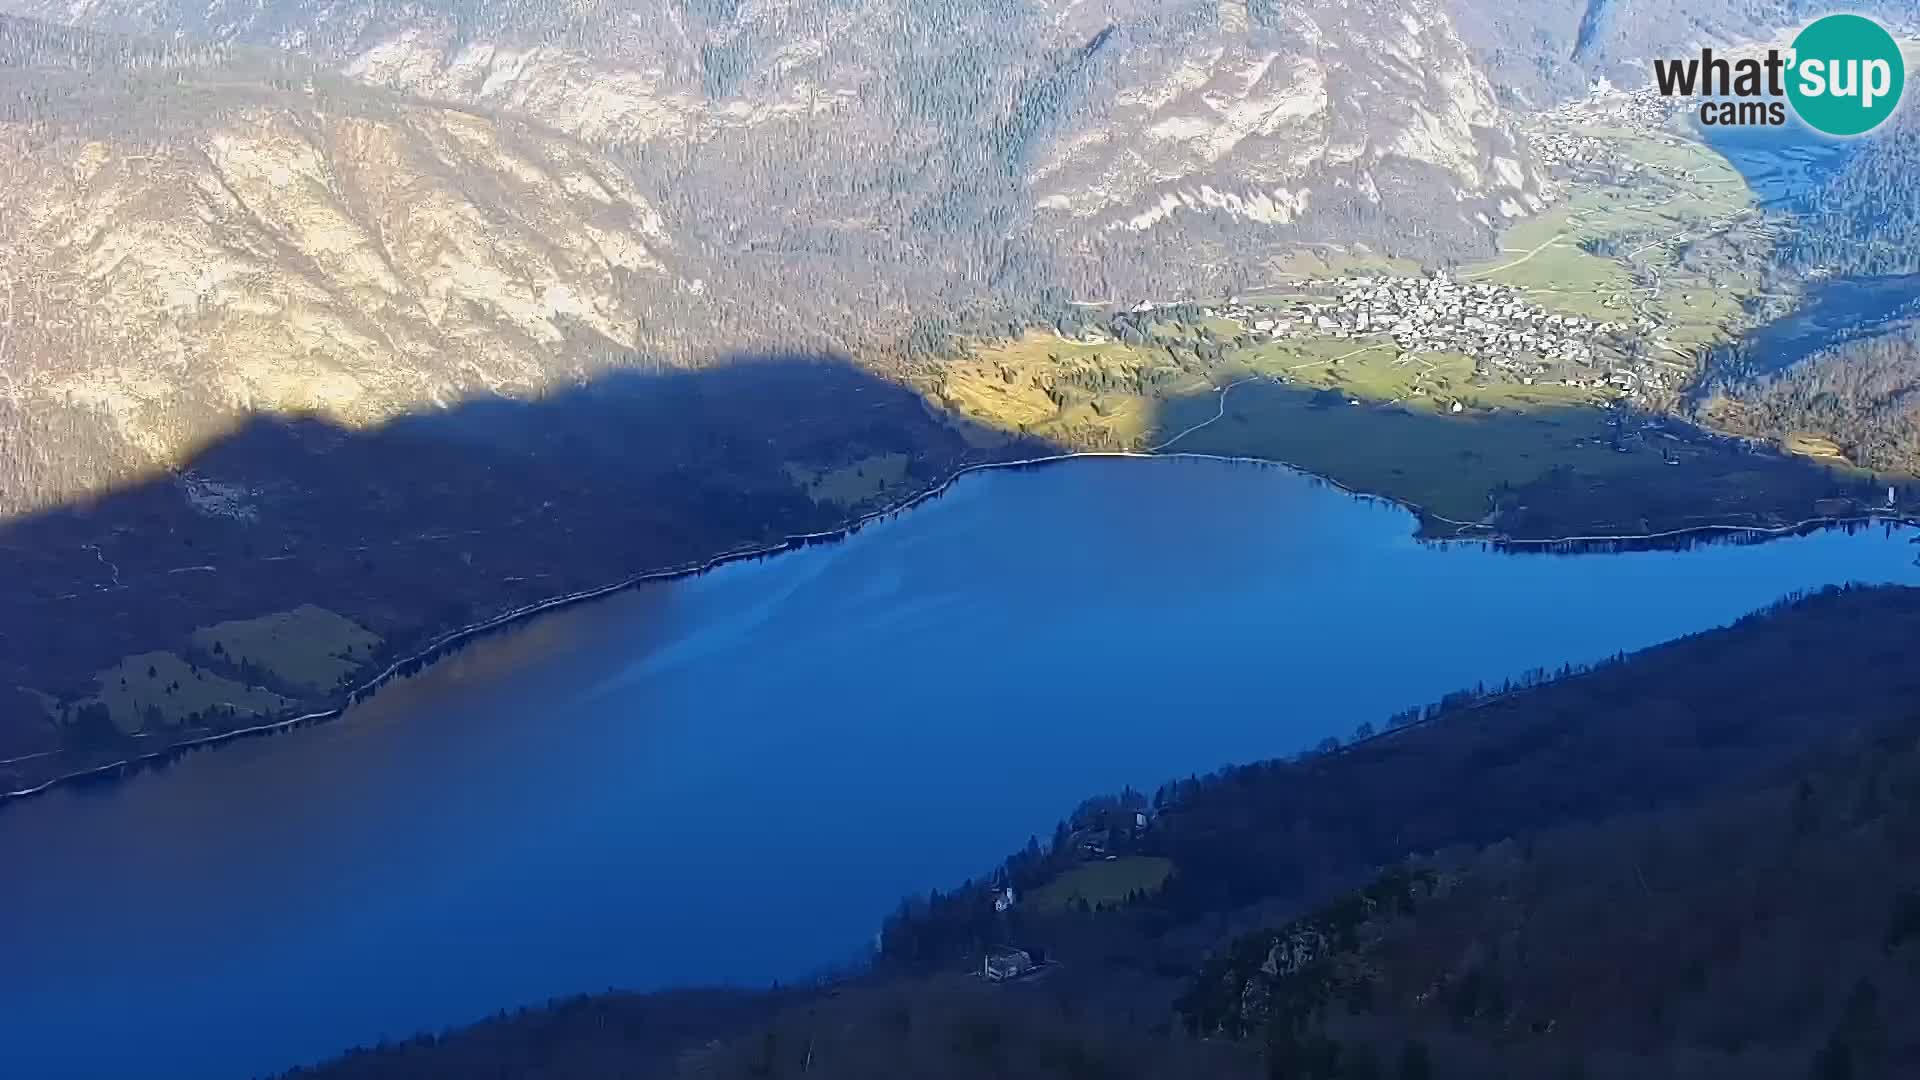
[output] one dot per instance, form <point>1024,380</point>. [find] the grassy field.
<point>309,648</point>
<point>1372,370</point>
<point>1108,881</point>
<point>1813,446</point>
<point>1448,464</point>
<point>1006,385</point>
<point>1543,258</point>
<point>854,484</point>
<point>1673,243</point>
<point>161,684</point>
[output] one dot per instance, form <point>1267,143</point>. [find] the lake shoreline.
<point>448,643</point>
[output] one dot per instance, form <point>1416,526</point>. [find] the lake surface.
<point>736,776</point>
<point>1779,164</point>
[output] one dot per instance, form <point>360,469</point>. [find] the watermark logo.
<point>1843,76</point>
<point>1848,77</point>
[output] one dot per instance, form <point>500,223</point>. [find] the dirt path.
<point>1557,237</point>
<point>1216,416</point>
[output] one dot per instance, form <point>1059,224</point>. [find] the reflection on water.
<point>733,777</point>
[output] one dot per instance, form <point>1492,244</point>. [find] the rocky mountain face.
<point>195,235</point>
<point>360,206</point>
<point>1076,120</point>
<point>1117,109</point>
<point>1542,50</point>
<point>1352,122</point>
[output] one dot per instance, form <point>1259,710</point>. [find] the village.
<point>1492,324</point>
<point>1613,296</point>
<point>1560,136</point>
<point>1642,109</point>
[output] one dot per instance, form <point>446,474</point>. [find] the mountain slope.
<point>954,127</point>
<point>272,237</point>
<point>1772,935</point>
<point>1544,50</point>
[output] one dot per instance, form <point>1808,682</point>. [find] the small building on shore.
<point>1003,963</point>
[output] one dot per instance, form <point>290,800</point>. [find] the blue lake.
<point>735,777</point>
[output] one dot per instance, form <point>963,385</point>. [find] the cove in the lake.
<point>733,777</point>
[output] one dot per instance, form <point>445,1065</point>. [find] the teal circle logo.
<point>1846,75</point>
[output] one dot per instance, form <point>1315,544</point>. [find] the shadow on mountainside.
<point>423,525</point>
<point>1537,474</point>
<point>444,518</point>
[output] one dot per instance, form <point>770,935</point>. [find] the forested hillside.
<point>1698,861</point>
<point>1773,934</point>
<point>1861,390</point>
<point>1863,395</point>
<point>125,625</point>
<point>1865,218</point>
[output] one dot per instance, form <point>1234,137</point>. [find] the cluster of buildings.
<point>1491,323</point>
<point>1558,139</point>
<point>1642,109</point>
<point>1561,146</point>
